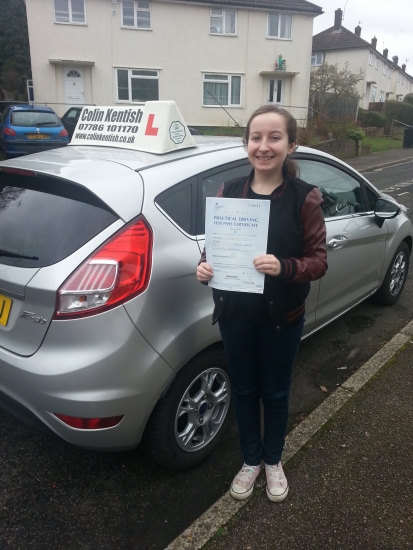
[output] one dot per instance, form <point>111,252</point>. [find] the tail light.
<point>63,133</point>
<point>118,271</point>
<point>9,132</point>
<point>89,423</point>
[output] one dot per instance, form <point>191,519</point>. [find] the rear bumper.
<point>95,367</point>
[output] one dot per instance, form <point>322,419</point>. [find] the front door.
<point>275,91</point>
<point>74,87</point>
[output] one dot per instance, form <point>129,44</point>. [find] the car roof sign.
<point>156,127</point>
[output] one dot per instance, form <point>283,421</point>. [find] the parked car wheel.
<point>395,278</point>
<point>190,421</point>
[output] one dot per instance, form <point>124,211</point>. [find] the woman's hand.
<point>267,263</point>
<point>204,272</point>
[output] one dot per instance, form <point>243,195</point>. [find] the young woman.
<point>261,332</point>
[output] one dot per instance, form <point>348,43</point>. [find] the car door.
<point>208,185</point>
<point>355,243</point>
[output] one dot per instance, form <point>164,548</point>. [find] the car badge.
<point>30,316</point>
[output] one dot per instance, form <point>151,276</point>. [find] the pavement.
<point>349,463</point>
<point>376,161</point>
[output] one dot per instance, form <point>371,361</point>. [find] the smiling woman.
<point>261,332</point>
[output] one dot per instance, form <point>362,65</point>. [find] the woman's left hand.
<point>268,264</point>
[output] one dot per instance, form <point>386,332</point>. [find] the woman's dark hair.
<point>289,166</point>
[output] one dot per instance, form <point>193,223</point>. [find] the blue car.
<point>26,129</point>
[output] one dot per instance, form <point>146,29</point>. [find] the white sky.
<point>391,21</point>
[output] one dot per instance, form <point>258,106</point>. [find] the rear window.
<point>34,118</point>
<point>46,219</point>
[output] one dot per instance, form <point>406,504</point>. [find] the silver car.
<point>105,334</point>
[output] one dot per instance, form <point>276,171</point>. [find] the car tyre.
<point>395,278</point>
<point>175,436</point>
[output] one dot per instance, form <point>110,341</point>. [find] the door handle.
<point>337,242</point>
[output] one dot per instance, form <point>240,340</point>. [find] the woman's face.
<point>268,144</point>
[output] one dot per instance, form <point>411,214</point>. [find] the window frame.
<point>382,96</point>
<point>223,14</point>
<point>137,77</point>
<point>373,96</point>
<point>70,14</point>
<point>371,58</point>
<point>136,9</point>
<point>221,81</point>
<point>314,56</point>
<point>364,185</point>
<point>376,63</point>
<point>280,16</point>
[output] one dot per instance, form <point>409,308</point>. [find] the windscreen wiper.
<point>9,253</point>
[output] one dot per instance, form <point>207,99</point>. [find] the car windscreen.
<point>43,220</point>
<point>34,118</point>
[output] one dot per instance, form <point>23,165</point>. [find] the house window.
<point>279,26</point>
<point>222,89</point>
<point>398,77</point>
<point>137,85</point>
<point>376,63</point>
<point>370,58</point>
<point>373,93</point>
<point>317,59</point>
<point>69,11</point>
<point>389,72</point>
<point>136,15</point>
<point>382,96</point>
<point>384,69</point>
<point>222,21</point>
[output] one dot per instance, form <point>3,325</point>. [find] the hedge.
<point>371,118</point>
<point>398,110</point>
<point>408,99</point>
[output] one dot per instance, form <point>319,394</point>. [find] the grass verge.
<point>385,143</point>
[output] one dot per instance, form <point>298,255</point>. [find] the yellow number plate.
<point>5,307</point>
<point>37,136</point>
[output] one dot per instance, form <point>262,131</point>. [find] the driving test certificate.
<point>236,232</point>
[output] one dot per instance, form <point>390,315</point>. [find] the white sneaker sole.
<point>242,496</point>
<point>277,498</point>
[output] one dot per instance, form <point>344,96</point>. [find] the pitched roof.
<point>284,5</point>
<point>342,39</point>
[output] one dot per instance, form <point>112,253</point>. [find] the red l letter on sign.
<point>150,130</point>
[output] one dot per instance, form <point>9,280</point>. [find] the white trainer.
<point>243,483</point>
<point>277,484</point>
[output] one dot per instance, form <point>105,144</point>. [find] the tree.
<point>328,86</point>
<point>14,45</point>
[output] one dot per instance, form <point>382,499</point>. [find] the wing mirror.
<point>385,209</point>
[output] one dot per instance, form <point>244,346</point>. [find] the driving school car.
<point>105,334</point>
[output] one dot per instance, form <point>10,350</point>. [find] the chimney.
<point>374,42</point>
<point>385,53</point>
<point>337,19</point>
<point>404,67</point>
<point>357,30</point>
<point>395,59</point>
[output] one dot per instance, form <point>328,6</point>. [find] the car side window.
<point>209,184</point>
<point>341,192</point>
<point>177,204</point>
<point>72,115</point>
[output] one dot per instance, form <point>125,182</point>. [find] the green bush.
<point>356,133</point>
<point>398,110</point>
<point>371,118</point>
<point>408,98</point>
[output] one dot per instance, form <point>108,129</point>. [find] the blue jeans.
<point>260,362</point>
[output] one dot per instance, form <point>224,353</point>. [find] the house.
<point>383,77</point>
<point>239,53</point>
